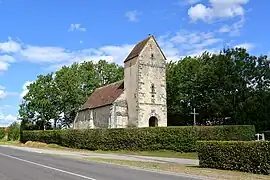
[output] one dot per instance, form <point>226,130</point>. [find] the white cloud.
<point>81,41</point>
<point>189,43</point>
<point>174,45</point>
<point>247,46</point>
<point>10,46</point>
<point>2,93</point>
<point>44,53</point>
<point>133,15</point>
<point>232,29</point>
<point>6,120</point>
<point>5,61</point>
<point>3,66</point>
<point>25,89</point>
<point>76,27</point>
<point>218,9</point>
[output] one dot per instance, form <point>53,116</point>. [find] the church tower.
<point>145,85</point>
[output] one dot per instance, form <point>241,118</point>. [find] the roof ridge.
<point>116,82</point>
<point>138,48</point>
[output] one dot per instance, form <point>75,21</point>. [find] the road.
<point>21,165</point>
<point>108,156</point>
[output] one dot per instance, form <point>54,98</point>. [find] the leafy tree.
<point>58,96</point>
<point>231,87</point>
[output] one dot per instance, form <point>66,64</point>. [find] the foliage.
<point>267,135</point>
<point>227,88</point>
<point>231,87</point>
<point>180,139</point>
<point>2,132</point>
<point>14,131</point>
<point>249,156</point>
<point>58,96</point>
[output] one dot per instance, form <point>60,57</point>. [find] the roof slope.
<point>137,49</point>
<point>105,95</point>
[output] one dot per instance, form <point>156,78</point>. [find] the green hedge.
<point>168,138</point>
<point>247,156</point>
<point>2,132</point>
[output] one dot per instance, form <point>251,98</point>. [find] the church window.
<point>152,56</point>
<point>153,89</point>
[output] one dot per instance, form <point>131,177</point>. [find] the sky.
<point>38,37</point>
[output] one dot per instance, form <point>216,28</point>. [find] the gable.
<point>105,95</point>
<point>136,51</point>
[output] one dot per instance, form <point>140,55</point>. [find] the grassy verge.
<point>5,142</point>
<point>170,154</point>
<point>185,169</point>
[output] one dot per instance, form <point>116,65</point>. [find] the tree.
<point>225,88</point>
<point>58,96</point>
<point>41,101</point>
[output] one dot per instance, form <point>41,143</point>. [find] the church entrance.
<point>153,121</point>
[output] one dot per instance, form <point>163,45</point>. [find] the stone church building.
<point>137,101</point>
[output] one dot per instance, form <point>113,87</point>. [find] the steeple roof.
<point>139,47</point>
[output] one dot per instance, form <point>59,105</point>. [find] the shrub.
<point>2,132</point>
<point>247,156</point>
<point>14,131</point>
<point>182,139</point>
<point>227,132</point>
<point>267,134</point>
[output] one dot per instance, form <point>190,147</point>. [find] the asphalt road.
<point>21,165</point>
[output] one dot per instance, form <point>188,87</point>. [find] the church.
<point>139,100</point>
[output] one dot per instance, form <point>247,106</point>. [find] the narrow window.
<point>153,89</point>
<point>152,56</point>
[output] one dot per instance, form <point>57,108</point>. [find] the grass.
<point>185,169</point>
<point>5,142</point>
<point>161,153</point>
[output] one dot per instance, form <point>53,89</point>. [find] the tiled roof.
<point>105,95</point>
<point>137,49</point>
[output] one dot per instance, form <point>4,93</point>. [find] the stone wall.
<point>120,112</point>
<point>84,120</point>
<point>151,85</point>
<point>130,84</point>
<point>101,116</point>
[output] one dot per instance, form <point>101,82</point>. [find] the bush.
<point>247,156</point>
<point>2,132</point>
<point>182,139</point>
<point>267,134</point>
<point>14,132</point>
<point>227,133</point>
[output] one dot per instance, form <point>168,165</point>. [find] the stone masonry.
<point>137,101</point>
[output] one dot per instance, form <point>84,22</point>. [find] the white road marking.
<point>48,167</point>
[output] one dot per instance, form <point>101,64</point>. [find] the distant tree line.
<point>231,87</point>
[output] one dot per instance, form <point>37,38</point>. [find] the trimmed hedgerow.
<point>182,139</point>
<point>247,156</point>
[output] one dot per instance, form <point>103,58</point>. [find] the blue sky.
<point>38,37</point>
